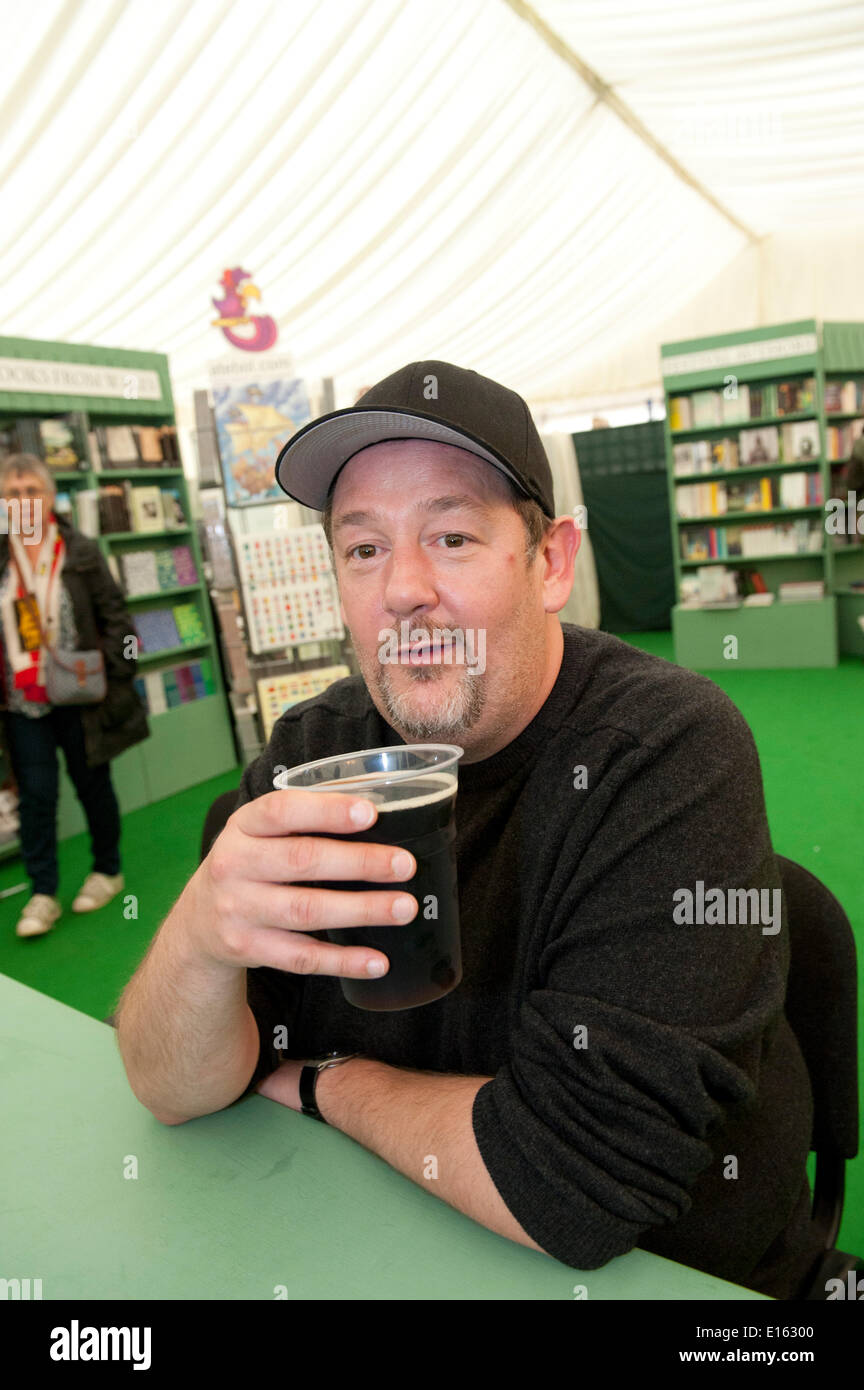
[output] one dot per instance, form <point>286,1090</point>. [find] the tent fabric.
<point>406,181</point>
<point>583,605</point>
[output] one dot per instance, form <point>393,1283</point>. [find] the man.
<point>611,1071</point>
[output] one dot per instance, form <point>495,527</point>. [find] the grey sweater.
<point>646,1088</point>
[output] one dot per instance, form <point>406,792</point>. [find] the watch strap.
<point>309,1077</point>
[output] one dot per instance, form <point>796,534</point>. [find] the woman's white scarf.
<point>44,582</point>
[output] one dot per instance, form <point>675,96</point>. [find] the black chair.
<point>822,1009</point>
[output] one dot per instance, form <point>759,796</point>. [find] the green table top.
<point>249,1203</point>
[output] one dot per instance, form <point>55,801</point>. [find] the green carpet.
<point>807,727</point>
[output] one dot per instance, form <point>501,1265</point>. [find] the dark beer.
<point>424,954</point>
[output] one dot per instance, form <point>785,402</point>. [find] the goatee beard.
<point>458,713</point>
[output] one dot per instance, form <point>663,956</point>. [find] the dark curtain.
<point>623,474</point>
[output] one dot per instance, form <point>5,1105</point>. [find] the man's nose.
<point>409,580</point>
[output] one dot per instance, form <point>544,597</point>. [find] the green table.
<point>245,1204</point>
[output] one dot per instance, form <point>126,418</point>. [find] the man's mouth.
<point>424,653</point>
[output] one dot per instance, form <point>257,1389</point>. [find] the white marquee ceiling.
<point>527,190</point>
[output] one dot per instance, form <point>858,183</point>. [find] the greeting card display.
<point>289,588</point>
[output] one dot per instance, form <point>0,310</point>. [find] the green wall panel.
<point>843,347</point>
<point>783,635</point>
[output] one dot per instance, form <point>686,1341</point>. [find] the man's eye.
<point>451,536</point>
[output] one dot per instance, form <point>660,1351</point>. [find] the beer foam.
<point>380,798</point>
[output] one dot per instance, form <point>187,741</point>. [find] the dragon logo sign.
<point>252,332</point>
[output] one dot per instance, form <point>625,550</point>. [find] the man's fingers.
<point>302,908</point>
<point>296,811</point>
<point>301,858</point>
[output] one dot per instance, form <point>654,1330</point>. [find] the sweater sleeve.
<point>638,1034</point>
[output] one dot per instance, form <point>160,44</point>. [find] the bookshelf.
<point>98,389</point>
<point>759,426</point>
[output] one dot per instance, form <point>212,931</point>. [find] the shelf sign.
<point>740,354</point>
<point>78,379</point>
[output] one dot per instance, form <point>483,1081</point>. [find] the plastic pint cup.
<point>414,788</point>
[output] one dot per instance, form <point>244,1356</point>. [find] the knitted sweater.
<point>645,1086</point>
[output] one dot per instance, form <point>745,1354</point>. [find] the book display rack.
<point>103,421</point>
<point>769,557</point>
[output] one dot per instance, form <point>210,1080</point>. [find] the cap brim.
<point>309,462</point>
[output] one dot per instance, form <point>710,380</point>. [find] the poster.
<point>253,421</point>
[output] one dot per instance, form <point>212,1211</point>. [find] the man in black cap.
<point>615,1067</point>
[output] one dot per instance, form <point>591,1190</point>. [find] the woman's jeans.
<point>33,745</point>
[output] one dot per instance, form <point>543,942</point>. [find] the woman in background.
<point>80,608</point>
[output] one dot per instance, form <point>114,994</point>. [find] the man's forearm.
<point>419,1123</point>
<point>188,1039</point>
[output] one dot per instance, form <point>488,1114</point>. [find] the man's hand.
<point>252,896</point>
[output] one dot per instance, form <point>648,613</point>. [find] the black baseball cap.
<point>425,400</point>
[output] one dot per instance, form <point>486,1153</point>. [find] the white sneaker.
<point>96,891</point>
<point>39,915</point>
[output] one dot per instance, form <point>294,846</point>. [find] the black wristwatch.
<point>309,1077</point>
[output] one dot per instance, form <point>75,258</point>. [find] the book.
<point>745,495</point>
<point>795,397</point>
<point>149,444</point>
<point>724,454</point>
<point>736,408</point>
<point>800,442</point>
<point>197,679</point>
<point>172,508</point>
<point>758,600</point>
<point>793,490</point>
<point>802,591</point>
<point>189,624</point>
<point>184,565</point>
<point>120,446</point>
<point>696,545</point>
<point>165,571</point>
<point>707,408</point>
<point>680,413</point>
<point>156,692</point>
<point>759,446</point>
<point>185,683</point>
<point>157,629</point>
<point>207,675</point>
<point>172,689</point>
<point>170,447</point>
<point>113,508</point>
<point>139,572</point>
<point>147,512</point>
<point>87,511</point>
<point>62,442</point>
<point>763,401</point>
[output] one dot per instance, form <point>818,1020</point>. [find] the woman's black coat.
<point>103,621</point>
